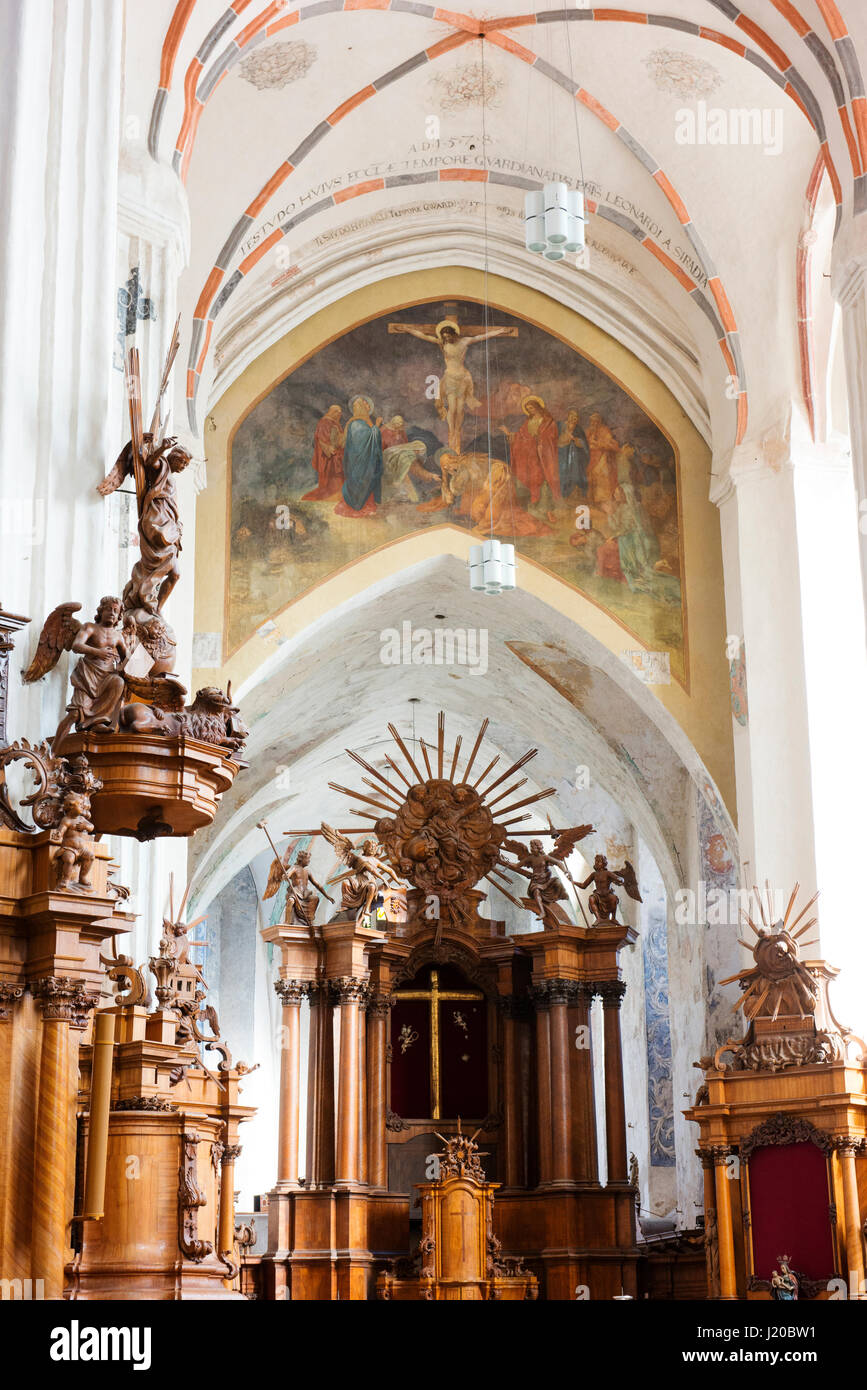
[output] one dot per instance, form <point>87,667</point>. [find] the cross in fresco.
<point>456,392</point>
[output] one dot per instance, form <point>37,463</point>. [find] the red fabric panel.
<point>464,1058</point>
<point>410,1068</point>
<point>789,1210</point>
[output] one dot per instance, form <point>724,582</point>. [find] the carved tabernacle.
<point>458,1256</point>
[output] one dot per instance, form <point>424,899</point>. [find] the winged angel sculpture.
<point>366,873</point>
<point>545,888</point>
<point>97,678</point>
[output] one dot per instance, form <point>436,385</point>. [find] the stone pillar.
<point>320,1088</point>
<point>846,1150</point>
<point>378,1009</point>
<point>64,1003</point>
<point>849,285</point>
<point>612,992</point>
<point>349,993</point>
<point>725,1232</point>
<point>544,1100</point>
<point>60,112</point>
<point>513,1009</point>
<point>793,609</point>
<point>780,792</point>
<point>291,993</point>
<point>585,1157</point>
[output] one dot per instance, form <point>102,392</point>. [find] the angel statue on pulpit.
<point>366,873</point>
<point>152,459</point>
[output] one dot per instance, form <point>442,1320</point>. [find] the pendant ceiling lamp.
<point>492,567</point>
<point>555,216</point>
<point>554,221</point>
<point>492,564</point>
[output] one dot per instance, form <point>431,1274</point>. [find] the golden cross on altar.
<point>435,996</point>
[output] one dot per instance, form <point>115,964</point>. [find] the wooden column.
<point>320,1089</point>
<point>349,993</point>
<point>64,1003</point>
<point>584,1151</point>
<point>226,1224</point>
<point>513,1009</point>
<point>539,994</point>
<point>291,993</point>
<point>711,1234</point>
<point>377,1154</point>
<point>361,1166</point>
<point>725,1233</point>
<point>560,994</point>
<point>612,992</point>
<point>846,1149</point>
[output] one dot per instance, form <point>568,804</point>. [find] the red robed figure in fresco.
<point>327,456</point>
<point>535,459</point>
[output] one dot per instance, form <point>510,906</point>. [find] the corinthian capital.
<point>9,995</point>
<point>64,999</point>
<point>349,989</point>
<point>291,991</point>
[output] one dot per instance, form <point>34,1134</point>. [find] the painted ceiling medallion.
<point>467,85</point>
<point>681,73</point>
<point>278,65</point>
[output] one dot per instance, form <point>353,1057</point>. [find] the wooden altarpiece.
<point>782,1117</point>
<point>334,1232</point>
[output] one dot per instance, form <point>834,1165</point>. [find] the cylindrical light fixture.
<point>492,567</point>
<point>554,221</point>
<point>556,196</point>
<point>534,221</point>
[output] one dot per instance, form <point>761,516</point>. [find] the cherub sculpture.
<point>545,889</point>
<point>97,679</point>
<point>366,873</point>
<point>603,900</point>
<point>75,856</point>
<point>302,899</point>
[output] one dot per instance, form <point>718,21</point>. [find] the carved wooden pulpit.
<point>458,1255</point>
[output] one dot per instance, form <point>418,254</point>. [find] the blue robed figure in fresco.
<point>573,453</point>
<point>362,461</point>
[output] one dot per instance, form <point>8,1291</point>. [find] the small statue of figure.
<point>75,856</point>
<point>784,1284</point>
<point>546,889</point>
<point>366,873</point>
<point>302,900</point>
<point>97,679</point>
<point>604,901</point>
<point>156,573</point>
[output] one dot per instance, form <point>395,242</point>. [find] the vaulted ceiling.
<point>323,145</point>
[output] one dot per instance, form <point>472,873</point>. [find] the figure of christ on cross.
<point>456,390</point>
<point>435,996</point>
